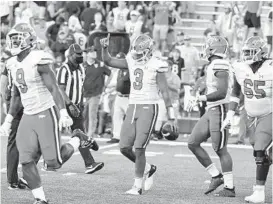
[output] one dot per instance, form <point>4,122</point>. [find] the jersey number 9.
<point>20,78</point>
<point>257,92</point>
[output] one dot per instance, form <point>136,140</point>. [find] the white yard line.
<point>192,156</point>
<point>76,153</point>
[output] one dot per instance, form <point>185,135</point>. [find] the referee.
<point>70,78</point>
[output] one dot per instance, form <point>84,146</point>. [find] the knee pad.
<point>261,158</point>
<point>53,164</point>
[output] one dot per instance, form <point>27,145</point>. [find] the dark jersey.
<point>177,66</point>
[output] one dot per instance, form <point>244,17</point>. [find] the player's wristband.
<point>202,98</point>
<point>170,112</point>
<point>230,113</point>
<point>63,112</point>
<point>8,118</point>
<point>234,99</point>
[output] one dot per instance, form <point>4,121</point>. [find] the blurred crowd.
<point>59,24</point>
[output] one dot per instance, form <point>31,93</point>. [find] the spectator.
<point>120,15</point>
<point>70,6</point>
<point>39,26</point>
<point>161,25</point>
<point>55,9</point>
<point>186,9</point>
<point>25,13</point>
<point>133,26</point>
<point>177,62</point>
<point>101,9</point>
<point>80,38</point>
<point>93,87</point>
<point>110,24</point>
<point>74,22</point>
<point>64,40</point>
<point>238,29</point>
<point>121,102</point>
<point>252,17</point>
<point>98,24</point>
<point>224,23</point>
<point>53,30</point>
<point>87,16</point>
<point>191,57</point>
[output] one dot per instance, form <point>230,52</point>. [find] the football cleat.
<point>94,167</point>
<point>149,180</point>
<point>215,183</point>
<point>258,195</point>
<point>134,191</point>
<point>39,201</point>
<point>22,183</point>
<point>226,192</point>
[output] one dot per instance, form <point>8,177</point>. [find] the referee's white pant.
<point>120,108</point>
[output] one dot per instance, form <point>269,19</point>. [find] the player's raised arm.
<point>49,79</point>
<point>111,61</point>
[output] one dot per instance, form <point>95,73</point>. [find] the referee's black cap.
<point>74,49</point>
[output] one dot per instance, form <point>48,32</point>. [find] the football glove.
<point>191,103</point>
<point>5,128</point>
<point>65,121</point>
<point>105,41</point>
<point>74,110</point>
<point>227,122</point>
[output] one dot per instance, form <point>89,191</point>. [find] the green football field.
<point>180,179</point>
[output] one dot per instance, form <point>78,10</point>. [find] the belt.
<point>123,95</point>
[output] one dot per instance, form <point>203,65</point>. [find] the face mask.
<point>79,60</point>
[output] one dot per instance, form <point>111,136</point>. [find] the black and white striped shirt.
<point>72,77</point>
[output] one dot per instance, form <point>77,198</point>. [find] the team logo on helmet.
<point>215,46</point>
<point>21,37</point>
<point>142,48</point>
<point>254,50</point>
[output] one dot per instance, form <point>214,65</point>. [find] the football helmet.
<point>254,50</point>
<point>215,46</point>
<point>142,48</point>
<point>168,132</point>
<point>21,37</point>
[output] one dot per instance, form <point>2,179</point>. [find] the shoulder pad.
<point>219,65</point>
<point>43,57</point>
<point>268,62</point>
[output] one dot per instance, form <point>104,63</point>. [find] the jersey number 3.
<point>258,92</point>
<point>138,79</point>
<point>20,78</point>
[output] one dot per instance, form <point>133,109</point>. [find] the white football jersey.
<point>81,40</point>
<point>256,87</point>
<point>211,80</point>
<point>144,89</point>
<point>35,96</point>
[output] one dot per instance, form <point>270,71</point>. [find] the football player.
<point>254,78</point>
<point>147,78</point>
<point>35,86</point>
<point>219,83</point>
